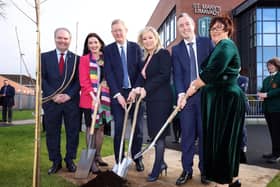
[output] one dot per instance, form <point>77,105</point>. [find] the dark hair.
<point>274,61</point>
<point>226,21</point>
<point>86,50</point>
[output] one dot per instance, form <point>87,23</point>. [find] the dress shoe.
<point>268,156</point>
<point>185,176</point>
<point>274,159</point>
<point>163,167</point>
<point>55,167</point>
<point>139,165</point>
<point>203,180</point>
<point>236,183</point>
<point>70,166</point>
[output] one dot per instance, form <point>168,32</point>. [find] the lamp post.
<point>20,69</point>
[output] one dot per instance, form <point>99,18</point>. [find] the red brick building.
<point>257,28</point>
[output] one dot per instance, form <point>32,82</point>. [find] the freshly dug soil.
<point>107,179</point>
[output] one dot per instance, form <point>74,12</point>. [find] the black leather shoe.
<point>268,156</point>
<point>185,176</point>
<point>237,183</point>
<point>203,180</point>
<point>274,159</point>
<point>70,166</point>
<point>55,167</point>
<point>139,165</point>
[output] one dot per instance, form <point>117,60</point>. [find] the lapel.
<point>117,58</point>
<point>198,52</point>
<point>129,57</point>
<point>184,57</point>
<point>54,62</point>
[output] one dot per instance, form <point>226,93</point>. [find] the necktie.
<point>61,64</point>
<point>192,62</point>
<point>125,72</point>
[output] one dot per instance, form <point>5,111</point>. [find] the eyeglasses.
<point>217,29</point>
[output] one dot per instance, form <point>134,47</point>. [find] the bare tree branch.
<point>22,11</point>
<point>2,4</point>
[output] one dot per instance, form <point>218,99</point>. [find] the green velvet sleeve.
<point>218,61</point>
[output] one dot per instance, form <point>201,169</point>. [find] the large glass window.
<point>167,30</point>
<point>259,14</point>
<point>269,39</point>
<point>269,27</point>
<point>269,14</point>
<point>266,39</point>
<point>259,27</point>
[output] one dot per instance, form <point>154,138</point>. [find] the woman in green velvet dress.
<point>223,105</point>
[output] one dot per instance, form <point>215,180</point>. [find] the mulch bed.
<point>107,179</point>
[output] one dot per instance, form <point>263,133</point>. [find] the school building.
<point>257,29</point>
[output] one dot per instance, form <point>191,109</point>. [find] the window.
<point>266,40</point>
<point>269,27</point>
<point>268,53</point>
<point>269,39</point>
<point>269,14</point>
<point>167,30</point>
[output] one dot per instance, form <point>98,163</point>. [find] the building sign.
<point>213,10</point>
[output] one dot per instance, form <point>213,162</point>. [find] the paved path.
<point>250,176</point>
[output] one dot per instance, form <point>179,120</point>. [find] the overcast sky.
<point>91,16</point>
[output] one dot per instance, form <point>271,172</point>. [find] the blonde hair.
<point>156,35</point>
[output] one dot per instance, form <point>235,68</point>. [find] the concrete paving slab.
<point>250,176</point>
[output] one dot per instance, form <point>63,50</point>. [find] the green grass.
<point>16,155</point>
<point>275,181</point>
<point>23,114</point>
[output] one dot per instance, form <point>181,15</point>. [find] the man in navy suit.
<point>60,86</point>
<point>7,93</point>
<point>243,82</point>
<point>123,64</point>
<point>187,57</point>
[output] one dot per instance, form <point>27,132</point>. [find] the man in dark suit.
<point>60,86</point>
<point>123,64</point>
<point>187,57</point>
<point>243,82</point>
<point>7,93</point>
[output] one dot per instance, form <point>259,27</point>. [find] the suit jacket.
<point>181,62</point>
<point>8,99</point>
<point>243,82</point>
<point>271,85</point>
<point>52,80</point>
<point>157,82</point>
<point>113,66</point>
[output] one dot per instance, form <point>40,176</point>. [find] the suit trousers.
<point>191,130</point>
<point>7,110</point>
<point>54,114</point>
<point>118,115</point>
